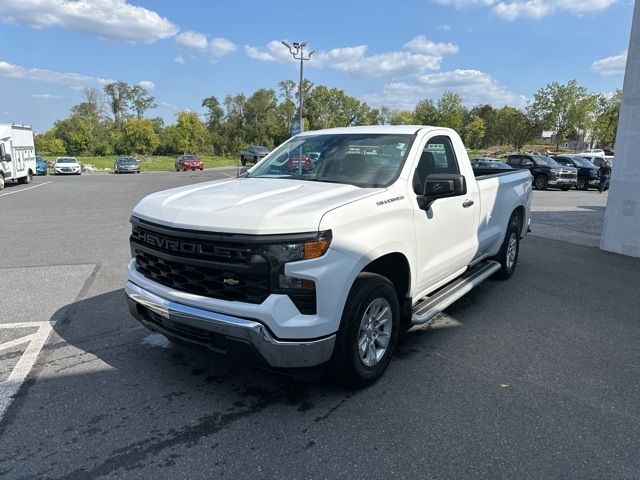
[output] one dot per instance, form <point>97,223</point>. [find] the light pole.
<point>297,50</point>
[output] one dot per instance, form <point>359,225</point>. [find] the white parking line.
<point>23,189</point>
<point>12,384</point>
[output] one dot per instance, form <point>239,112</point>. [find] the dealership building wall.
<point>621,233</point>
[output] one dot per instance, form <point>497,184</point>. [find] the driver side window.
<point>437,157</point>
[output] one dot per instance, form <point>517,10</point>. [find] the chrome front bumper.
<point>146,306</point>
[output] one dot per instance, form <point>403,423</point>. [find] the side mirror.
<point>441,185</point>
<point>7,157</point>
<point>527,164</point>
<point>242,171</point>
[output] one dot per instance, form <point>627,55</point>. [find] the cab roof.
<point>379,129</point>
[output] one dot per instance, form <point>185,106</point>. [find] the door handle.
<point>467,203</point>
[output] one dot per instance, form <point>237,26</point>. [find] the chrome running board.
<point>434,304</point>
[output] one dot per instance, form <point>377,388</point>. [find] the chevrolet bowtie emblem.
<point>231,282</point>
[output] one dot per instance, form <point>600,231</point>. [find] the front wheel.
<point>540,182</point>
<point>243,161</point>
<point>509,251</point>
<point>368,331</point>
<point>583,184</point>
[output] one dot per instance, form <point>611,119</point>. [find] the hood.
<point>249,205</point>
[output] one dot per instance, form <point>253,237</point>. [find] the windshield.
<point>364,160</point>
<point>542,160</point>
<point>126,160</point>
<point>66,160</point>
<point>261,149</point>
<point>189,157</point>
<point>582,162</point>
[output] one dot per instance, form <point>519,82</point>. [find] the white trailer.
<point>17,154</point>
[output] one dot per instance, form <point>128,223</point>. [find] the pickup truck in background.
<point>545,171</point>
<point>253,154</point>
<point>302,270</point>
<point>17,154</point>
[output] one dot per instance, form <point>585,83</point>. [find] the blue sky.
<point>387,53</point>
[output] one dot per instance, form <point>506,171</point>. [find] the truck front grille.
<point>208,281</point>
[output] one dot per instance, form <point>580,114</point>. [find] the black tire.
<point>582,184</point>
<point>255,160</point>
<point>243,161</point>
<point>25,180</point>
<point>507,267</point>
<point>345,365</point>
<point>540,182</point>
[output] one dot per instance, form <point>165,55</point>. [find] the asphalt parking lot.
<point>537,377</point>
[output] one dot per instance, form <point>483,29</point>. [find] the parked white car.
<point>298,266</point>
<point>67,166</point>
<point>594,152</point>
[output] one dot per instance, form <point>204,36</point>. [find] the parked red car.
<point>188,162</point>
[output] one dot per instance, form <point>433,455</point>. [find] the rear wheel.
<point>25,180</point>
<point>540,182</point>
<point>243,161</point>
<point>509,251</point>
<point>368,331</point>
<point>255,160</point>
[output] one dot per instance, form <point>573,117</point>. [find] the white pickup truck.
<point>321,261</point>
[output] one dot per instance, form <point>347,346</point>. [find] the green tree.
<point>141,100</point>
<point>474,132</point>
<point>561,108</point>
<point>605,126</point>
<point>56,147</point>
<point>425,113</point>
<point>261,117</point>
<point>332,107</point>
<point>513,127</point>
<point>451,111</point>
<point>139,136</point>
<point>190,133</point>
<point>401,117</point>
<point>119,95</point>
<point>76,134</point>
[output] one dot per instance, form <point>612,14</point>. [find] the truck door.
<point>446,239</point>
<point>6,167</point>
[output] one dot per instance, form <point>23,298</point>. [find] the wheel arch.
<point>395,267</point>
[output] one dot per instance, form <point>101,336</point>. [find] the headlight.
<point>295,251</point>
<point>555,170</point>
<point>301,291</point>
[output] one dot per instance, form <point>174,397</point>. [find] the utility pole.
<point>297,51</point>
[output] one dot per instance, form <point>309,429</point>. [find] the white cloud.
<point>192,40</point>
<point>180,59</point>
<point>74,80</point>
<point>611,65</point>
<point>215,48</point>
<point>513,9</point>
<point>219,47</point>
<point>444,28</point>
<point>473,86</point>
<point>114,20</point>
<point>45,96</point>
<point>422,44</point>
<point>147,85</point>
<point>418,56</point>
<point>466,3</point>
